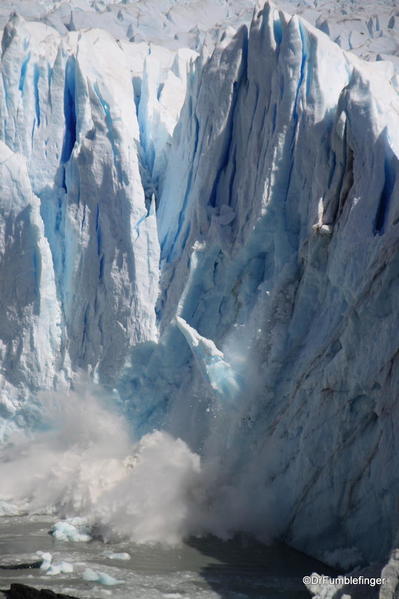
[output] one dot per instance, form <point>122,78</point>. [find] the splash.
<point>84,468</point>
<point>86,464</point>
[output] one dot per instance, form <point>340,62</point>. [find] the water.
<point>155,492</point>
<point>198,569</point>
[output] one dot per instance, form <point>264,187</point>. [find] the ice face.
<point>214,235</point>
<point>72,115</point>
<point>30,333</point>
<point>276,245</point>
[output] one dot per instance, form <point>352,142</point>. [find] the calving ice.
<point>210,234</point>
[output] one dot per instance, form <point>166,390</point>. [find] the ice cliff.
<point>216,237</point>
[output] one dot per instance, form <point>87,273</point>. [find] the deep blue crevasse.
<point>69,110</point>
<point>386,194</point>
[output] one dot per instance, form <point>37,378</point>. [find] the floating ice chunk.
<point>47,559</point>
<point>108,580</point>
<point>100,577</point>
<point>66,568</point>
<point>51,568</point>
<point>120,556</point>
<point>90,575</point>
<point>61,568</point>
<point>75,529</point>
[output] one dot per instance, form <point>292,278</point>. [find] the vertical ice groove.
<point>69,110</point>
<point>36,81</point>
<point>168,247</point>
<point>193,135</point>
<point>24,68</point>
<point>389,182</point>
<point>229,127</point>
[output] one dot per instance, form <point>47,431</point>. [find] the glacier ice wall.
<point>71,113</point>
<point>277,226</point>
<point>229,228</point>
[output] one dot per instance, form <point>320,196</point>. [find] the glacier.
<point>209,231</point>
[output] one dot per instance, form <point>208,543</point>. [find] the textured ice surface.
<point>79,224</point>
<point>118,556</point>
<point>50,567</point>
<point>277,224</point>
<point>100,577</point>
<point>370,28</point>
<point>215,236</point>
<point>74,529</point>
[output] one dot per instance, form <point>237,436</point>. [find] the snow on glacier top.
<point>369,28</point>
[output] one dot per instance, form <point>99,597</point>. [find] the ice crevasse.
<point>216,237</point>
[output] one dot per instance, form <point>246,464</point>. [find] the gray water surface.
<point>205,568</point>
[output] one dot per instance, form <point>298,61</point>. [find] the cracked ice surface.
<point>71,113</point>
<point>370,28</point>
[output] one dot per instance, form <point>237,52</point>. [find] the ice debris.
<point>118,556</point>
<point>75,530</point>
<point>52,569</point>
<point>101,577</point>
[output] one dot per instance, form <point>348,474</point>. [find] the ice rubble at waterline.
<point>211,228</point>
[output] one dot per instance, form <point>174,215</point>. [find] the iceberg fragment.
<point>118,556</point>
<point>76,530</point>
<point>211,361</point>
<point>100,577</point>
